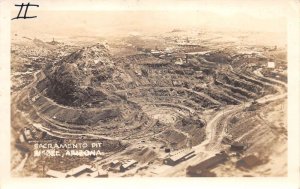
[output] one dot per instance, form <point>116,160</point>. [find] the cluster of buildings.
<point>122,166</point>
<point>28,135</point>
<point>201,169</point>
<point>204,168</point>
<point>81,171</point>
<point>92,172</point>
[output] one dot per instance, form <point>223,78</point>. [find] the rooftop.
<point>98,173</point>
<point>80,169</point>
<point>56,174</point>
<point>128,163</point>
<point>180,154</point>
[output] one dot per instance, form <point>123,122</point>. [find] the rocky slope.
<point>75,79</point>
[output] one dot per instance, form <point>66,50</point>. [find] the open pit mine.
<point>190,110</point>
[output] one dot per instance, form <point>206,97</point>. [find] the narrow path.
<point>20,167</point>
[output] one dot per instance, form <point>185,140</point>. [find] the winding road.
<point>212,143</point>
<point>206,149</point>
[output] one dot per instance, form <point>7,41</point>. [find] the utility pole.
<point>186,58</point>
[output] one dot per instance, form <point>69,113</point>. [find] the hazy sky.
<point>103,17</point>
<point>266,8</point>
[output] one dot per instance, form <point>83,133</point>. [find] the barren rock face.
<point>74,91</point>
<point>73,80</point>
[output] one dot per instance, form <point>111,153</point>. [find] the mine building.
<point>198,53</point>
<point>128,165</point>
<point>167,150</point>
<point>27,134</point>
<point>271,65</point>
<point>155,52</point>
<point>178,61</point>
<point>99,173</point>
<point>81,170</point>
<point>114,163</point>
<point>114,166</point>
<point>205,166</point>
<point>179,157</point>
<point>227,140</point>
<point>55,174</point>
<point>35,98</point>
<point>204,173</point>
<point>236,146</point>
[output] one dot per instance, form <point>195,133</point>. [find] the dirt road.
<point>212,144</point>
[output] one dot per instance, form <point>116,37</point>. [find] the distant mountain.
<point>120,23</point>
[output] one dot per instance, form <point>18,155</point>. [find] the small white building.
<point>127,165</point>
<point>155,52</point>
<point>35,98</point>
<point>271,64</point>
<point>55,174</point>
<point>98,173</point>
<point>78,171</point>
<point>179,61</point>
<point>178,157</point>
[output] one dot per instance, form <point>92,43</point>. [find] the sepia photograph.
<point>171,89</point>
